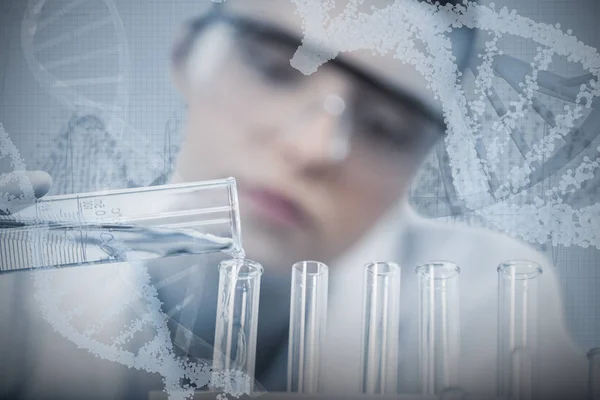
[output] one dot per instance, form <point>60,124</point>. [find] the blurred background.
<point>88,98</point>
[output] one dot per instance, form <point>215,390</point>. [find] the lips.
<point>274,207</point>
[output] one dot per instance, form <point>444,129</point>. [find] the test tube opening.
<point>308,313</point>
<point>241,269</point>
<point>310,268</point>
<point>382,268</point>
<point>520,270</point>
<point>594,355</point>
<point>380,335</point>
<point>236,226</point>
<point>438,270</point>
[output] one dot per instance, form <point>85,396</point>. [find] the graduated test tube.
<point>439,327</point>
<point>594,374</point>
<point>91,228</point>
<point>517,328</point>
<point>234,354</point>
<point>381,306</point>
<point>308,314</point>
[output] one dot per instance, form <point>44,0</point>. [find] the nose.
<point>319,135</point>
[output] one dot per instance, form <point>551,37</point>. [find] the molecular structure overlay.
<point>537,199</point>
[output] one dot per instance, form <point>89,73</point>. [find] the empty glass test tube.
<point>234,353</point>
<point>145,223</point>
<point>308,315</point>
<point>517,328</point>
<point>380,336</point>
<point>439,327</point>
<point>594,374</point>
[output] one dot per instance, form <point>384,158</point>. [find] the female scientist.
<point>324,163</point>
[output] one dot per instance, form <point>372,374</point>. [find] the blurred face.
<point>318,159</point>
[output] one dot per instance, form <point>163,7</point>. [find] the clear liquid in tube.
<point>58,245</point>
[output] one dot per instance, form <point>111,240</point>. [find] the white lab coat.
<point>403,237</point>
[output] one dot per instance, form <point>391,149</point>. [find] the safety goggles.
<point>375,113</point>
